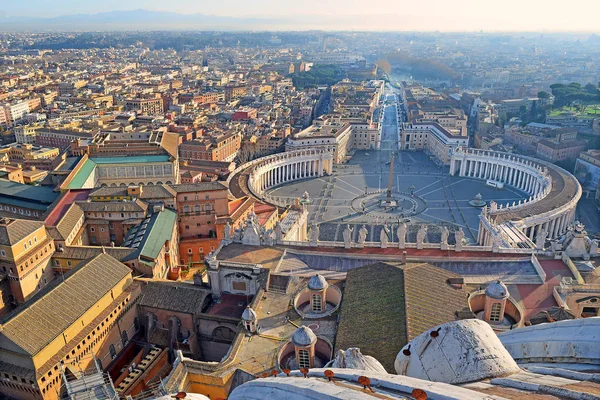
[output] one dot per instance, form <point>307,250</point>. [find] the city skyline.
<point>429,15</point>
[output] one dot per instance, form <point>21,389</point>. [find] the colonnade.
<point>286,167</point>
<point>511,170</point>
<point>554,213</point>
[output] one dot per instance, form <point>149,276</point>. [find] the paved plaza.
<point>349,195</point>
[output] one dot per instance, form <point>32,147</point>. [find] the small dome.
<point>497,291</point>
<point>249,314</point>
<point>304,336</point>
<point>317,282</point>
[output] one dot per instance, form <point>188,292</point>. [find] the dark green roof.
<point>385,305</point>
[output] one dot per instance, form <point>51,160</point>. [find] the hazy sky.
<point>463,15</point>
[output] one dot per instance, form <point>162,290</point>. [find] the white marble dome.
<point>497,290</point>
<point>304,336</point>
<point>317,282</point>
<point>249,314</point>
<point>456,352</point>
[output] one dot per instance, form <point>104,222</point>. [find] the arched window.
<point>207,207</point>
<point>495,312</point>
<point>197,208</point>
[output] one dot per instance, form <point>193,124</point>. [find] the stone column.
<point>462,167</point>
<point>452,166</point>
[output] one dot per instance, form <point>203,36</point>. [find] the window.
<point>316,303</point>
<point>190,251</point>
<point>92,229</point>
<point>303,359</point>
<point>69,263</point>
<point>495,312</point>
<point>2,253</point>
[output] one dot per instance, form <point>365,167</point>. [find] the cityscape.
<point>282,201</point>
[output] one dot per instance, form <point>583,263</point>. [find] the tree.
<point>543,95</point>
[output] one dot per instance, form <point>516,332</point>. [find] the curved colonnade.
<point>267,172</point>
<point>553,194</point>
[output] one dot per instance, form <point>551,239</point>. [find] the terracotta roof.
<point>14,230</point>
<point>385,305</point>
<point>173,296</point>
<point>48,313</point>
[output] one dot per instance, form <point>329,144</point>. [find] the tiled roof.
<point>47,314</point>
<point>67,223</point>
<point>87,252</point>
<point>148,192</point>
<point>14,230</point>
<point>114,206</point>
<point>173,296</point>
<point>198,187</point>
<point>385,305</point>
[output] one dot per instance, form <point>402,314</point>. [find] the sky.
<point>442,15</point>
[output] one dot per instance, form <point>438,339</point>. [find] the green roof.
<point>160,230</point>
<point>82,175</point>
<point>28,196</point>
<point>130,159</point>
<point>88,167</point>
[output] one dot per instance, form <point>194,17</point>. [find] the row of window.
<point>21,211</point>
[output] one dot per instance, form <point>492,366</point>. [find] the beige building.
<point>85,316</point>
<point>25,251</point>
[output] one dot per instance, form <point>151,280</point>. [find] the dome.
<point>497,290</point>
<point>354,359</point>
<point>249,314</point>
<point>304,336</point>
<point>456,352</point>
<point>317,282</point>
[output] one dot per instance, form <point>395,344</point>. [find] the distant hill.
<point>162,20</point>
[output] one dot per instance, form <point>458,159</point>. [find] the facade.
<point>89,312</point>
<point>220,148</point>
<point>145,106</point>
<point>587,169</point>
<point>432,138</point>
<point>202,209</point>
<point>25,251</point>
<point>562,151</point>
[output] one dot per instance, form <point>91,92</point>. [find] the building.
<point>18,200</point>
<point>432,138</point>
<point>587,169</point>
<point>156,241</point>
<point>21,153</point>
<point>561,151</point>
<point>203,210</point>
<point>222,147</point>
<point>25,251</point>
<point>87,315</point>
<point>153,106</point>
<point>330,136</point>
